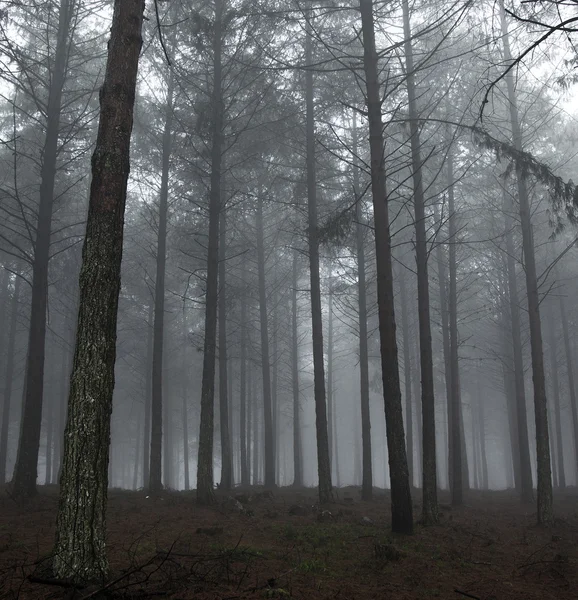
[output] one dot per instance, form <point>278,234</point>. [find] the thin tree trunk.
<point>455,396</point>
<point>323,460</point>
<point>205,493</point>
<point>185,391</point>
<point>147,398</point>
<point>167,438</point>
<point>544,504</point>
<point>330,400</point>
<point>571,385</point>
<point>155,480</point>
<point>8,379</point>
<point>429,491</point>
<point>442,276</point>
<point>26,467</point>
<point>297,450</point>
<point>243,391</point>
<point>275,373</point>
<point>265,357</point>
<point>367,469</point>
<point>407,375</point>
<point>556,397</point>
<point>49,454</point>
<point>525,467</point>
<point>401,505</point>
<point>482,430</point>
<point>226,458</point>
<point>79,551</point>
<point>137,458</point>
<point>249,423</point>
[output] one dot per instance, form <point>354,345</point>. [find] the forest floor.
<point>282,546</point>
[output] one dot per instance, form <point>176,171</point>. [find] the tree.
<point>544,492</point>
<point>401,505</point>
<point>26,468</point>
<point>79,550</point>
<point>323,464</point>
<point>429,506</point>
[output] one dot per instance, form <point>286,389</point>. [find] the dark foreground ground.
<point>169,548</point>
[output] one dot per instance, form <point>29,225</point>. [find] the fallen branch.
<point>466,594</point>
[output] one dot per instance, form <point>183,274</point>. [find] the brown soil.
<point>168,547</point>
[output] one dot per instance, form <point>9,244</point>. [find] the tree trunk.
<point>226,458</point>
<point>185,391</point>
<point>250,452</point>
<point>571,386</point>
<point>243,391</point>
<point>155,475</point>
<point>545,513</point>
<point>137,458</point>
<point>442,276</point>
<point>429,491</point>
<point>49,455</point>
<point>205,459</point>
<point>556,397</point>
<point>26,468</point>
<point>407,375</point>
<point>297,450</point>
<point>367,469</point>
<point>482,430</point>
<point>323,461</point>
<point>147,398</point>
<point>79,551</point>
<point>265,358</point>
<point>455,396</point>
<point>525,466</point>
<point>401,505</point>
<point>8,379</point>
<point>330,400</point>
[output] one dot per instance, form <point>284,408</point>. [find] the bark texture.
<point>205,493</point>
<point>367,469</point>
<point>323,464</point>
<point>401,505</point>
<point>79,551</point>
<point>155,474</point>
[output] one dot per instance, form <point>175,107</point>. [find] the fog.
<point>348,250</point>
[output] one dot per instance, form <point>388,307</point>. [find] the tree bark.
<point>544,487</point>
<point>556,397</point>
<point>26,468</point>
<point>401,505</point>
<point>265,357</point>
<point>205,493</point>
<point>155,475</point>
<point>407,375</point>
<point>147,398</point>
<point>367,469</point>
<point>79,551</point>
<point>8,379</point>
<point>297,450</point>
<point>571,385</point>
<point>429,490</point>
<point>226,458</point>
<point>525,466</point>
<point>330,399</point>
<point>185,392</point>
<point>323,461</point>
<point>243,391</point>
